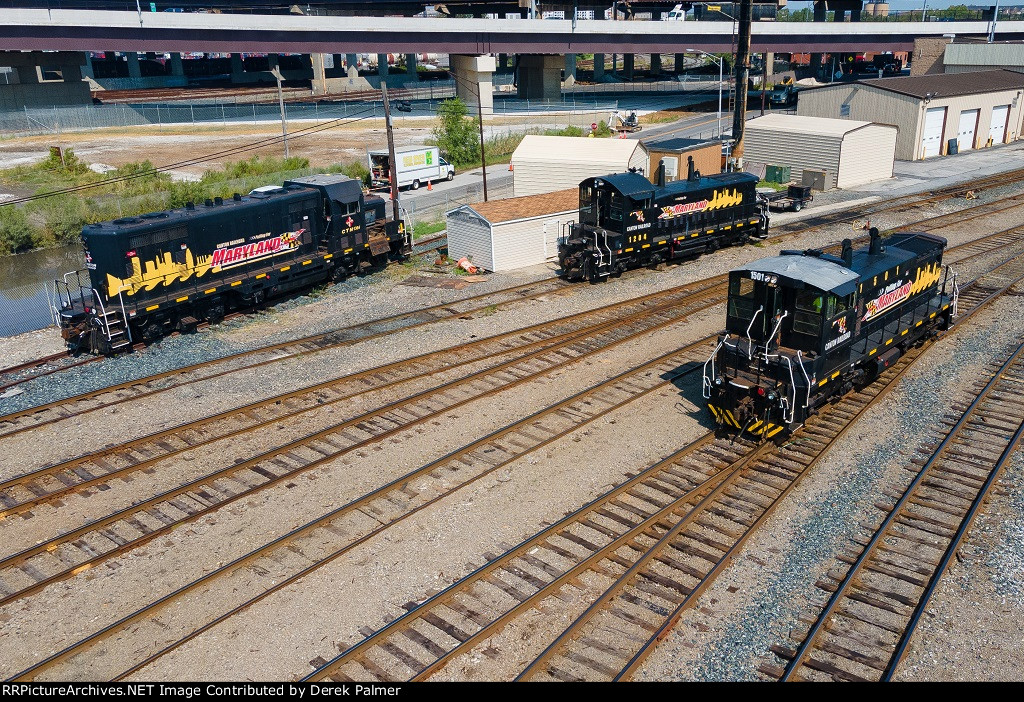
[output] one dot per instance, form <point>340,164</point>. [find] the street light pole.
<point>718,60</point>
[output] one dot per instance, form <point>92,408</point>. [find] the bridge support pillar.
<point>502,62</point>
<point>134,70</point>
<point>540,77</point>
<point>319,74</point>
<point>237,69</point>
<point>351,65</point>
<point>627,66</point>
<point>410,67</point>
<point>598,68</point>
<point>570,67</point>
<point>474,76</point>
<point>177,67</point>
<point>655,64</point>
<point>680,63</point>
<point>382,66</point>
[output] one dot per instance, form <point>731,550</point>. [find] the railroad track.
<point>245,361</point>
<point>863,631</point>
<point>22,493</point>
<point>560,341</point>
<point>13,376</point>
<point>347,527</point>
<point>17,421</point>
<point>654,564</point>
<point>398,495</point>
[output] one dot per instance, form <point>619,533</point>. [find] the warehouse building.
<point>825,153</point>
<point>936,114</point>
<point>675,153</point>
<point>502,235</point>
<point>544,164</point>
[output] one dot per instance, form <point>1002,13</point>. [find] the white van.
<point>417,165</point>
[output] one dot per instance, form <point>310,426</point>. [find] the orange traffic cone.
<point>429,186</point>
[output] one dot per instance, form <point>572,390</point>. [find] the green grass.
<point>58,219</point>
<point>425,229</point>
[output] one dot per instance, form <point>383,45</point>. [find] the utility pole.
<point>742,78</point>
<point>393,174</point>
<point>280,102</point>
<point>483,157</point>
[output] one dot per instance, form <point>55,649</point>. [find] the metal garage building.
<point>935,113</point>
<point>544,164</point>
<point>848,152</point>
<point>501,235</point>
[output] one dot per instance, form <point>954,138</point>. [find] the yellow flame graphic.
<point>162,270</point>
<point>926,277</point>
<point>724,198</point>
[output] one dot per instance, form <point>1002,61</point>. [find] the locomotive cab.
<point>625,221</point>
<point>804,328</point>
<point>788,322</point>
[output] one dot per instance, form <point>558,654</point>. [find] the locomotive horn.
<point>848,253</point>
<point>691,172</point>
<point>876,242</point>
<point>661,175</point>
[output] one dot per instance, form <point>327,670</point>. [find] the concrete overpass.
<point>79,30</point>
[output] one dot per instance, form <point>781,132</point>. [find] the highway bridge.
<point>84,30</point>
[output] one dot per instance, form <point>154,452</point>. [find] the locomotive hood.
<point>810,270</point>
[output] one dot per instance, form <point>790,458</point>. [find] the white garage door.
<point>997,130</point>
<point>931,140</point>
<point>968,127</point>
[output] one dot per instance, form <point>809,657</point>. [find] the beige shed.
<point>544,164</point>
<point>937,114</point>
<point>848,152</point>
<point>502,235</point>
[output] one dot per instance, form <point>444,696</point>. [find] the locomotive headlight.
<point>718,380</point>
<point>772,397</point>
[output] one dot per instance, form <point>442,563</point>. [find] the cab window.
<point>807,315</point>
<point>741,298</point>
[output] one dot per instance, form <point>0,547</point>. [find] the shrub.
<point>455,134</point>
<point>15,231</point>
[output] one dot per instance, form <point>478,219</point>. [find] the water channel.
<point>26,286</point>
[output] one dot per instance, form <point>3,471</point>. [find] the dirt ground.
<point>171,146</point>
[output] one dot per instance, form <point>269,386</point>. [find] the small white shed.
<point>544,164</point>
<point>502,235</point>
<point>848,152</point>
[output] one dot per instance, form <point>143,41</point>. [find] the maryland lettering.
<point>233,256</point>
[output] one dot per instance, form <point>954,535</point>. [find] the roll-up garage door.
<point>997,130</point>
<point>968,127</point>
<point>931,139</point>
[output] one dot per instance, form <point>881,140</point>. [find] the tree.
<point>455,134</point>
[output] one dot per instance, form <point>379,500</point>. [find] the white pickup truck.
<point>417,165</point>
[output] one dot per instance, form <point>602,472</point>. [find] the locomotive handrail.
<point>124,317</point>
<point>956,296</point>
<point>800,360</point>
<point>750,341</point>
<point>707,382</point>
<point>774,332</point>
<point>792,384</point>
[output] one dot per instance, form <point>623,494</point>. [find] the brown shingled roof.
<point>529,206</point>
<point>942,85</point>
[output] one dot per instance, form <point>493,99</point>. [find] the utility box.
<point>778,174</point>
<point>814,179</point>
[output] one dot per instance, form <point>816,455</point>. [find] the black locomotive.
<point>626,222</point>
<point>164,271</point>
<point>804,328</point>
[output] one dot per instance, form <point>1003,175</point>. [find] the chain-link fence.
<point>25,308</point>
<point>425,99</point>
